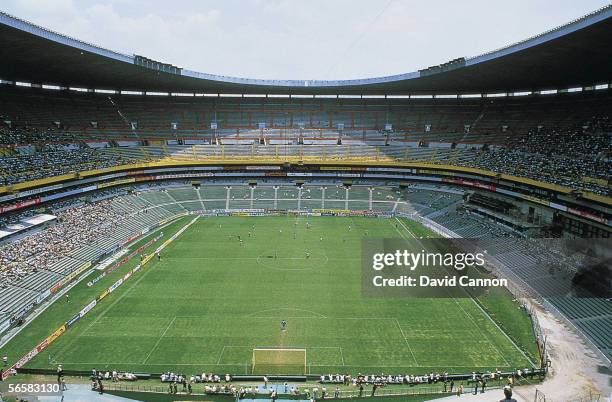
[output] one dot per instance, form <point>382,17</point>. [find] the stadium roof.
<point>577,54</point>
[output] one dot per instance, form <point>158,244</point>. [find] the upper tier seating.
<point>562,139</point>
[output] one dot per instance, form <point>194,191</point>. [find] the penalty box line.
<point>159,340</point>
<point>395,320</point>
<point>405,228</point>
<point>462,309</point>
<point>106,364</point>
<point>406,340</point>
<point>486,315</point>
<point>125,291</point>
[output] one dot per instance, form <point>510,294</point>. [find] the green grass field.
<point>210,301</point>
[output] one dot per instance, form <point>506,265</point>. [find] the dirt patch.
<point>575,370</point>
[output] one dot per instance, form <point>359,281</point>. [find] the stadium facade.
<point>514,142</point>
<point>145,111</point>
<point>568,56</point>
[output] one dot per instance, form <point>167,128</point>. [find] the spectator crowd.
<point>53,160</point>
<point>33,135</point>
<point>75,227</point>
<point>569,157</point>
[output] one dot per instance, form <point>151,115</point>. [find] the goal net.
<point>279,361</point>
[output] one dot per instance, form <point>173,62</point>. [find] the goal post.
<point>279,361</point>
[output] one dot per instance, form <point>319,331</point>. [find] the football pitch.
<point>223,287</point>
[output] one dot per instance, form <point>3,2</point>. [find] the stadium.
<point>167,234</point>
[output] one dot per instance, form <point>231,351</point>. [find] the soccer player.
<point>283,325</point>
<point>158,256</point>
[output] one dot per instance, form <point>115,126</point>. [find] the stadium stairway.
<point>14,298</point>
<point>38,281</point>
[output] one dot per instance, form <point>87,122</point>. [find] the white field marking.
<point>480,330</point>
<point>406,228</point>
<point>305,349</point>
<point>257,258</point>
<point>207,317</point>
<point>288,318</point>
<point>64,290</point>
<point>485,314</point>
<point>286,308</point>
<point>323,261</point>
<point>242,365</point>
<point>398,366</point>
<point>325,365</point>
<point>220,355</point>
<point>406,340</point>
<point>290,269</point>
<point>377,318</point>
<point>420,331</point>
<point>321,317</point>
<point>103,313</point>
<point>503,332</point>
<point>299,258</point>
<point>200,199</point>
<point>328,347</point>
<point>152,364</point>
<point>395,204</point>
<point>363,318</point>
<point>353,222</point>
<point>325,254</point>
<point>159,340</point>
<point>125,291</point>
<point>231,346</point>
<point>402,235</point>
